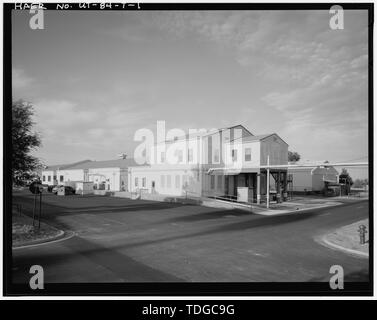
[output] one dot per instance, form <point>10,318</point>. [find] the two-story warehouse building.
<point>218,164</point>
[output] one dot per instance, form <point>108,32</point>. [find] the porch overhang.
<point>231,171</point>
<point>331,182</point>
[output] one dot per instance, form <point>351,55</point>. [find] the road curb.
<point>60,237</point>
<point>288,211</point>
<point>332,245</point>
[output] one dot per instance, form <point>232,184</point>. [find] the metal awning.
<point>330,181</point>
<point>223,172</point>
<point>231,171</point>
<point>256,169</point>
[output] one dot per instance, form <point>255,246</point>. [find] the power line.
<point>355,159</point>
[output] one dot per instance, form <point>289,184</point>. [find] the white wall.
<point>199,180</point>
<point>71,175</point>
<point>46,174</point>
<point>241,147</point>
<point>321,174</point>
<point>161,175</point>
<point>276,148</point>
<point>302,179</point>
<point>111,177</point>
<point>216,189</point>
<point>311,179</point>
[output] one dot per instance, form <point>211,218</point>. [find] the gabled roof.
<point>117,163</point>
<point>205,134</point>
<point>257,138</point>
<point>228,128</point>
<point>64,166</point>
<point>253,138</point>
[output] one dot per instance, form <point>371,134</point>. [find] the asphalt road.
<point>122,240</point>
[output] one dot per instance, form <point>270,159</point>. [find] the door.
<point>235,185</point>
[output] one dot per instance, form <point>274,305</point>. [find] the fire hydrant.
<point>362,231</point>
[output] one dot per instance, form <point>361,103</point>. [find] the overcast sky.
<point>97,77</point>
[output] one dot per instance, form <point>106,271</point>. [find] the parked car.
<point>56,188</point>
<point>44,187</point>
<point>50,188</point>
<point>69,190</point>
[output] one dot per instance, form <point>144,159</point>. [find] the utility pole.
<point>268,181</point>
<point>34,207</point>
<point>40,210</point>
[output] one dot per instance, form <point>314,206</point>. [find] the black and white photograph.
<point>188,149</point>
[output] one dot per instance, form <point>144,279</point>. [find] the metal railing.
<point>221,196</point>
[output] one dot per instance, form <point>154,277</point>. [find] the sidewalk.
<point>294,206</point>
<point>274,208</point>
<point>300,203</point>
<point>347,239</point>
<point>25,234</point>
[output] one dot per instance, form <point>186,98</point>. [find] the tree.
<point>344,177</point>
<point>360,183</point>
<point>346,180</point>
<point>24,140</point>
<point>293,156</point>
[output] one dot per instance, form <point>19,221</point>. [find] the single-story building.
<point>110,175</point>
<point>49,174</point>
<point>312,179</point>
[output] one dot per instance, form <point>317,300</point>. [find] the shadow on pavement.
<point>356,276</point>
<point>120,265</point>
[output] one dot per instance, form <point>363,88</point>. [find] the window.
<point>179,154</point>
<point>44,178</point>
<point>212,182</point>
<point>162,181</point>
<point>136,182</point>
<point>49,178</point>
<point>216,156</point>
<point>54,178</point>
<point>144,182</point>
<point>177,181</point>
<point>190,157</point>
<point>162,157</point>
<point>234,154</point>
<point>61,178</point>
<point>219,182</point>
<point>168,181</point>
<point>185,180</point>
<point>247,154</point>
